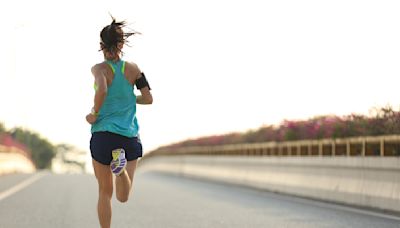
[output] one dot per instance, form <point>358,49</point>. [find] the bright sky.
<point>215,66</point>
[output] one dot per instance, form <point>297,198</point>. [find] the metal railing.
<point>387,145</point>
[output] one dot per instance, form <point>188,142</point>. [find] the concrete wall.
<point>362,181</point>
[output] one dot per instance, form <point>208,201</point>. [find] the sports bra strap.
<point>123,67</point>
<point>112,67</point>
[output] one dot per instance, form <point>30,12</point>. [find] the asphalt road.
<point>59,201</point>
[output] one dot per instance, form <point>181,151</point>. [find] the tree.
<point>41,149</point>
<point>2,128</point>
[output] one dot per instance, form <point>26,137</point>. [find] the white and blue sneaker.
<point>118,162</point>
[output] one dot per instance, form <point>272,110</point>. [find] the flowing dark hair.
<point>113,34</point>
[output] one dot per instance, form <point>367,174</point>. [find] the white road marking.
<point>20,186</point>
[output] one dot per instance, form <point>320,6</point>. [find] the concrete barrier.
<point>15,163</point>
<point>372,182</point>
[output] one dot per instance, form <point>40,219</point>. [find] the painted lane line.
<point>20,186</point>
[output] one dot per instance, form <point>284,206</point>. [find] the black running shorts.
<point>102,143</point>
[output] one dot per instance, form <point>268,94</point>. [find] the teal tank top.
<point>118,112</point>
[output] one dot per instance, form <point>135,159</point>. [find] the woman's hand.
<point>90,118</point>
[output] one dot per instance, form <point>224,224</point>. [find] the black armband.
<point>142,82</point>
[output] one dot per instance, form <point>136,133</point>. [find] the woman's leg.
<point>124,182</point>
<point>105,181</point>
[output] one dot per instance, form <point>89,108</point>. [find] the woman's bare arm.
<point>145,97</point>
<point>101,83</point>
<point>100,94</point>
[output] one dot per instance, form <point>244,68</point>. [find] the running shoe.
<point>118,162</point>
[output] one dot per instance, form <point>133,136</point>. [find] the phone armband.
<point>142,82</point>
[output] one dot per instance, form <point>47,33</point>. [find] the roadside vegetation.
<point>39,149</point>
<point>380,121</point>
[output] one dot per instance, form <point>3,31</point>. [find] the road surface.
<point>48,200</point>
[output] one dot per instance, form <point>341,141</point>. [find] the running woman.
<point>115,145</point>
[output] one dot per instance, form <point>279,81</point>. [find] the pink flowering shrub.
<point>382,121</point>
